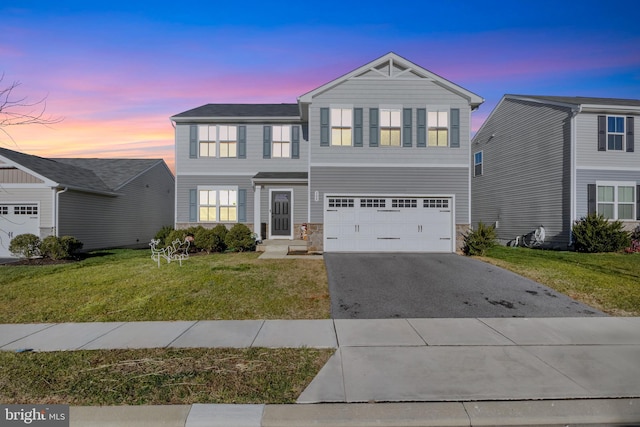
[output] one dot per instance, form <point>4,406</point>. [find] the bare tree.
<point>19,111</point>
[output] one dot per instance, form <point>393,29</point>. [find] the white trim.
<point>291,213</point>
<point>616,203</point>
<point>217,189</point>
<point>573,179</point>
<point>39,186</point>
<point>608,168</point>
<point>257,223</point>
<point>397,165</point>
<point>249,174</point>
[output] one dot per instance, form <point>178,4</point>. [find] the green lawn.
<point>609,282</point>
<point>126,285</point>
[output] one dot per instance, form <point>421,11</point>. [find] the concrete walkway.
<point>465,369</point>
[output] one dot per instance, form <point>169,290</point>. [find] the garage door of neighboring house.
<point>15,219</point>
<point>388,223</point>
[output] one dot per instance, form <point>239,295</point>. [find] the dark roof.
<point>243,110</point>
<point>94,175</point>
<point>582,100</point>
<point>281,175</point>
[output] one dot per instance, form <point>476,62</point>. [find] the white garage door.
<point>15,219</point>
<point>388,224</point>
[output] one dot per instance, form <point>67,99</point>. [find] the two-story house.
<point>551,160</point>
<point>375,160</point>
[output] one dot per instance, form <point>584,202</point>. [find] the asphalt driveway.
<point>382,286</point>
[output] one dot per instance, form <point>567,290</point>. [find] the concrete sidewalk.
<point>469,366</point>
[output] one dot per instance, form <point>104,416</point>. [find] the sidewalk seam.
<point>257,334</point>
<point>183,332</point>
<point>100,336</point>
<point>495,330</point>
<point>33,333</point>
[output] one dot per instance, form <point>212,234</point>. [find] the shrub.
<point>174,235</point>
<point>51,247</point>
<point>220,233</point>
<point>634,247</point>
<point>25,246</point>
<point>163,233</point>
<point>240,239</point>
<point>476,242</point>
<point>594,233</point>
<point>71,245</point>
<point>211,240</point>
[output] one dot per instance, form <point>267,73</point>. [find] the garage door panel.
<point>16,219</point>
<point>388,223</point>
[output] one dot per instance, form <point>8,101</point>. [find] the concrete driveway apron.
<point>394,285</point>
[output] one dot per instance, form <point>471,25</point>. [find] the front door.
<point>281,213</point>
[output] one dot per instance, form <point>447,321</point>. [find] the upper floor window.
<point>390,126</point>
<point>281,141</point>
<point>616,200</point>
<point>217,204</point>
<point>477,164</point>
<point>615,133</point>
<point>341,126</point>
<point>212,136</point>
<point>438,132</point>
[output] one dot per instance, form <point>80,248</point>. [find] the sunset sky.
<point>116,71</point>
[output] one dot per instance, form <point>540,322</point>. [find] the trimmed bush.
<point>25,246</point>
<point>163,233</point>
<point>71,245</point>
<point>594,233</point>
<point>51,247</point>
<point>240,239</point>
<point>220,233</point>
<point>478,241</point>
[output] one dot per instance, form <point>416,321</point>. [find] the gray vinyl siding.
<point>587,154</point>
<point>586,177</point>
<point>186,183</point>
<point>526,171</point>
<point>130,219</point>
<point>252,164</point>
<point>400,180</point>
<point>378,93</point>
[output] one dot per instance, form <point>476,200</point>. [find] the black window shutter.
<point>193,141</point>
<point>242,142</point>
<point>406,127</point>
<point>373,127</point>
<point>193,205</point>
<point>266,145</point>
<point>630,134</point>
<point>455,128</point>
<point>324,127</point>
<point>242,205</point>
<point>295,142</point>
<point>357,127</point>
<point>422,127</point>
<point>592,206</point>
<point>638,202</point>
<point>602,133</point>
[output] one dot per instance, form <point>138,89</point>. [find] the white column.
<point>256,210</point>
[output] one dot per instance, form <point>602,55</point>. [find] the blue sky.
<point>116,71</point>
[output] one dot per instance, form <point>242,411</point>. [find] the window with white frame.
<point>217,204</point>
<point>228,139</point>
<point>477,164</point>
<point>390,126</point>
<point>341,126</point>
<point>615,133</point>
<point>207,137</point>
<point>616,200</point>
<point>281,136</point>
<point>438,131</point>
<point>210,136</point>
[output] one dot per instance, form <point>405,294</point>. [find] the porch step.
<point>298,249</point>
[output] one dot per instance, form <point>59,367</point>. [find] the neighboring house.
<point>102,202</point>
<point>375,160</point>
<point>551,160</point>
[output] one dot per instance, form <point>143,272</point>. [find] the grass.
<point>158,376</point>
<point>609,282</point>
<point>126,285</point>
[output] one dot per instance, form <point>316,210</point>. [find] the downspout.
<point>175,164</point>
<point>56,215</point>
<point>573,175</point>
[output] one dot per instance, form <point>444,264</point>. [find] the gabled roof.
<point>104,176</point>
<point>227,111</point>
<point>583,103</point>
<point>392,65</point>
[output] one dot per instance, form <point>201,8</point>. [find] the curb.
<point>457,414</point>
